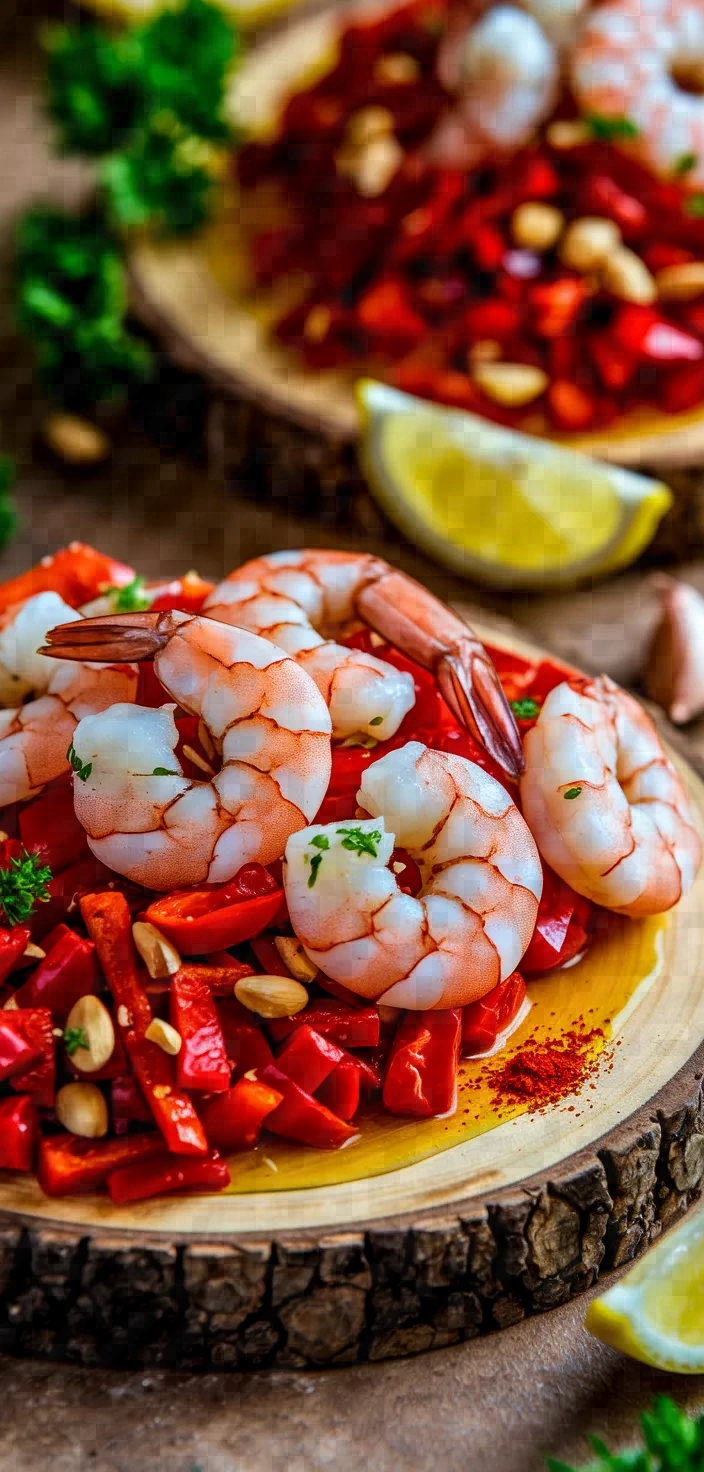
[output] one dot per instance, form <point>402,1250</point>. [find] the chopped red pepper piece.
<point>88,877</point>
<point>128,1104</point>
<point>483,1021</point>
<point>556,305</point>
<point>35,1025</point>
<point>606,197</point>
<point>386,311</point>
<point>67,1165</point>
<point>571,406</point>
<point>349,1027</point>
<point>245,1044</point>
<point>166,1173</point>
<point>13,944</point>
<point>18,1133</point>
<point>560,928</point>
<point>302,1118</point>
<point>232,1121</point>
<point>341,1090</point>
<point>421,1070</point>
<point>187,594</point>
<point>49,823</point>
<point>216,916</point>
<point>78,573</point>
<point>69,971</point>
<point>17,1053</point>
<point>202,1062</point>
<point>222,978</point>
<point>308,1058</point>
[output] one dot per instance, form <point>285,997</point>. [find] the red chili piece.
<point>35,1026</point>
<point>67,1165</point>
<point>421,1072</point>
<point>222,978</point>
<point>233,1121</point>
<point>13,944</point>
<point>166,1173</point>
<point>69,971</point>
<point>308,1058</point>
<point>49,823</point>
<point>77,572</point>
<point>216,916</point>
<point>17,1055</point>
<point>482,1021</point>
<point>128,1105</point>
<point>302,1118</point>
<point>18,1133</point>
<point>341,1090</point>
<point>202,1062</point>
<point>560,928</point>
<point>349,1027</point>
<point>245,1044</point>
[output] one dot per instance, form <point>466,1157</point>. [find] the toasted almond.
<point>396,67</point>
<point>33,953</point>
<point>376,165</point>
<point>91,1017</point>
<point>82,1110</point>
<point>627,277</point>
<point>368,123</point>
<point>165,1036</point>
<point>11,1005</point>
<point>589,242</point>
<point>198,760</point>
<point>569,133</point>
<point>511,384</point>
<point>271,996</point>
<point>537,226</point>
<point>75,440</point>
<point>293,955</point>
<point>158,954</point>
<point>681,283</point>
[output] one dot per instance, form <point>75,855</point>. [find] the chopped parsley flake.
<point>131,598</point>
<point>684,164</point>
<point>22,885</point>
<point>320,841</point>
<point>695,206</point>
<point>76,764</point>
<point>526,709</point>
<point>377,721</point>
<point>315,863</point>
<point>164,772</point>
<point>75,1038</point>
<point>358,842</point>
<point>609,130</point>
<point>571,793</point>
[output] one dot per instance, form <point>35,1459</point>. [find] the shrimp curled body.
<point>475,913</point>
<point>143,817</point>
<point>625,65</point>
<point>35,736</point>
<point>606,806</point>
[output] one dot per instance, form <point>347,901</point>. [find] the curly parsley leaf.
<point>22,886</point>
<point>131,598</point>
<point>164,180</point>
<point>611,130</point>
<point>359,842</point>
<point>525,709</point>
<point>76,764</point>
<point>75,1038</point>
<point>684,164</point>
<point>674,1442</point>
<point>94,91</point>
<point>186,55</point>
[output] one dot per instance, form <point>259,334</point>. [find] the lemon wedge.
<point>501,507</point>
<point>656,1312</point>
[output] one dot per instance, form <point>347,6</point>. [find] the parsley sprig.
<point>75,1038</point>
<point>611,130</point>
<point>355,840</point>
<point>674,1442</point>
<point>525,709</point>
<point>82,770</point>
<point>131,598</point>
<point>23,885</point>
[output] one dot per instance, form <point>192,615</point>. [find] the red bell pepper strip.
<point>166,1173</point>
<point>221,979</point>
<point>421,1070</point>
<point>68,1165</point>
<point>302,1118</point>
<point>128,1105</point>
<point>483,1021</point>
<point>88,877</point>
<point>35,1025</point>
<point>69,971</point>
<point>308,1058</point>
<point>349,1027</point>
<point>232,1121</point>
<point>219,915</point>
<point>109,924</point>
<point>77,572</point>
<point>341,1090</point>
<point>18,1133</point>
<point>49,823</point>
<point>560,927</point>
<point>17,1054</point>
<point>245,1044</point>
<point>13,944</point>
<point>202,1062</point>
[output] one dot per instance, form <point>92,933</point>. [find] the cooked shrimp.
<point>606,807</point>
<point>475,913</point>
<point>145,819</point>
<point>504,72</point>
<point>35,736</point>
<point>298,599</point>
<point>625,65</point>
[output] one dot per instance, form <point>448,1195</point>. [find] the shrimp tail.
<point>114,638</point>
<point>473,692</point>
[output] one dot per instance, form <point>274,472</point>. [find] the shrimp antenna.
<point>116,638</point>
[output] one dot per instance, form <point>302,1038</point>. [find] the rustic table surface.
<point>497,1403</point>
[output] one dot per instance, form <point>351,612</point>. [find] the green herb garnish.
<point>684,164</point>
<point>320,841</point>
<point>129,599</point>
<point>164,772</point>
<point>75,1038</point>
<point>695,206</point>
<point>610,130</point>
<point>23,885</point>
<point>376,721</point>
<point>526,709</point>
<point>674,1442</point>
<point>8,513</point>
<point>315,863</point>
<point>571,793</point>
<point>76,764</point>
<point>93,87</point>
<point>359,842</point>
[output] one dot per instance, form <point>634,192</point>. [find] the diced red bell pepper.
<point>68,1165</point>
<point>308,1058</point>
<point>488,246</point>
<point>614,364</point>
<point>386,311</point>
<point>13,944</point>
<point>222,979</point>
<point>421,1070</point>
<point>17,1053</point>
<point>492,320</point>
<point>35,1025</point>
<point>483,1021</point>
<point>18,1132</point>
<point>77,572</point>
<point>109,924</point>
<point>664,253</point>
<point>202,1061</point>
<point>349,1027</point>
<point>128,1105</point>
<point>88,877</point>
<point>302,1118</point>
<point>219,915</point>
<point>683,389</point>
<point>605,197</point>
<point>233,1121</point>
<point>167,1173</point>
<point>69,971</point>
<point>245,1044</point>
<point>340,1091</point>
<point>49,823</point>
<point>556,305</point>
<point>187,594</point>
<point>560,928</point>
<point>572,407</point>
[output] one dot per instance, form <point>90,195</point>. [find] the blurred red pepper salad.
<point>553,284</point>
<point>128,1063</point>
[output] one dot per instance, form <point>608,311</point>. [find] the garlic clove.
<point>674,669</point>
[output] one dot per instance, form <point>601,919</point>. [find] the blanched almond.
<point>90,1017</point>
<point>537,226</point>
<point>293,955</point>
<point>375,166</point>
<point>11,1005</point>
<point>165,1036</point>
<point>589,242</point>
<point>569,133</point>
<point>626,276</point>
<point>681,283</point>
<point>511,384</point>
<point>81,1108</point>
<point>271,996</point>
<point>158,954</point>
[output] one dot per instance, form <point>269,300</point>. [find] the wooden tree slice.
<point>461,1241</point>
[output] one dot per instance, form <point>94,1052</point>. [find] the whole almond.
<point>511,384</point>
<point>681,283</point>
<point>293,955</point>
<point>158,954</point>
<point>589,242</point>
<point>81,1108</point>
<point>537,226</point>
<point>627,277</point>
<point>90,1017</point>
<point>271,996</point>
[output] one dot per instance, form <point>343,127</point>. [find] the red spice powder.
<point>546,1072</point>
